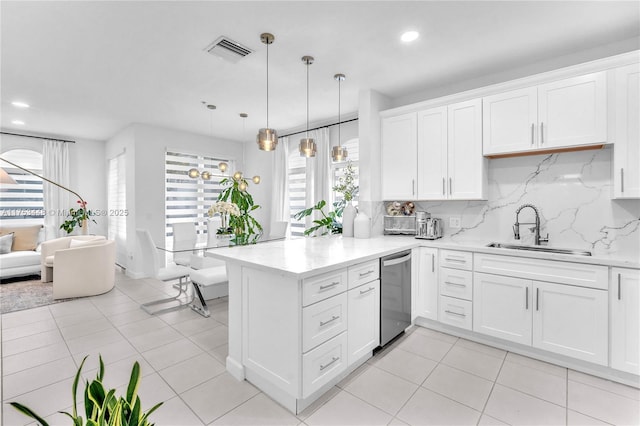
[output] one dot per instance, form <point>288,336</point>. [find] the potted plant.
<point>101,406</point>
<point>246,228</point>
<point>78,217</point>
<point>349,190</point>
<point>226,210</point>
<point>327,224</point>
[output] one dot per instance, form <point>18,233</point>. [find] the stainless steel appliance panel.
<point>395,295</point>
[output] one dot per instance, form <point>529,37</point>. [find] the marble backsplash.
<point>571,190</point>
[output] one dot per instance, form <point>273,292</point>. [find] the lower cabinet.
<point>323,364</point>
<point>364,320</point>
<point>426,288</point>
<point>564,319</point>
<point>624,298</point>
<point>455,312</point>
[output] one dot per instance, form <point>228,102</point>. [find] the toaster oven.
<point>399,225</point>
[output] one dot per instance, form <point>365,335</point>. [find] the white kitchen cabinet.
<point>561,114</point>
<point>432,154</point>
<point>466,167</point>
<point>502,307</point>
<point>455,312</point>
<point>509,121</point>
<point>426,285</point>
<point>624,298</point>
<point>399,164</point>
<point>364,320</point>
<point>626,151</point>
<point>571,321</point>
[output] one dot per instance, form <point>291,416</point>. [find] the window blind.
<point>117,206</point>
<point>297,190</point>
<point>22,204</point>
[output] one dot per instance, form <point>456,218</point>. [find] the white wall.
<point>87,170</point>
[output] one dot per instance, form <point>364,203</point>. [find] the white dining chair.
<point>167,274</point>
<point>184,238</point>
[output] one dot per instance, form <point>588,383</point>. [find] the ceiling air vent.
<point>228,49</point>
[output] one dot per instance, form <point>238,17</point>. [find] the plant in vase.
<point>347,187</point>
<point>226,210</point>
<point>78,217</point>
<point>327,224</point>
<point>245,227</point>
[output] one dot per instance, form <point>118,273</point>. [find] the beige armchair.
<point>84,267</point>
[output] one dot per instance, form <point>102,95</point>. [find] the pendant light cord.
<point>307,100</point>
<point>339,83</point>
<point>267,85</point>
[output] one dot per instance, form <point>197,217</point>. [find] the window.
<point>188,199</point>
<point>117,206</point>
<point>22,204</point>
<point>337,169</point>
<point>297,184</point>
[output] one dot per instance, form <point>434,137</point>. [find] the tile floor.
<point>425,378</point>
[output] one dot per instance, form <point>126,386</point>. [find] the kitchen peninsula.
<point>303,313</point>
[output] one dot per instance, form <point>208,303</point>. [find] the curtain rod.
<point>319,127</point>
<point>37,137</point>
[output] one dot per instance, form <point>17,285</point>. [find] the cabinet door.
<point>502,307</point>
<point>426,288</point>
<point>573,111</point>
<point>624,296</point>
<point>465,164</point>
<point>571,321</point>
<point>432,154</point>
<point>399,164</point>
<point>626,151</point>
<point>510,121</point>
<point>364,320</point>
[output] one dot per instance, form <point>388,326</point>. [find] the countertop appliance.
<point>395,295</point>
<point>428,228</point>
<point>399,225</point>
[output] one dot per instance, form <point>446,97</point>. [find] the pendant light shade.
<point>339,153</point>
<point>307,147</point>
<point>222,166</point>
<point>193,173</point>
<point>267,138</point>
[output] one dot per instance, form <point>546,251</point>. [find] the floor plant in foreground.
<point>101,406</point>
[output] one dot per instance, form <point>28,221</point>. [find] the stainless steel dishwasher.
<point>395,295</point>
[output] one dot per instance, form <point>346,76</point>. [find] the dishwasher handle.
<point>397,260</point>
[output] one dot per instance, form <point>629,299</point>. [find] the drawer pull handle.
<point>456,284</point>
<point>619,293</point>
<point>541,133</point>
<point>537,299</point>
<point>367,291</point>
<point>333,284</point>
<point>532,125</point>
<point>333,318</point>
<point>433,262</point>
<point>333,360</point>
<point>362,274</point>
<point>455,313</point>
<point>453,259</point>
<point>526,298</point>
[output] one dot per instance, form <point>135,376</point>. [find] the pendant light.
<point>307,145</point>
<point>267,138</point>
<point>338,153</point>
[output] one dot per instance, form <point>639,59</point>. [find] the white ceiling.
<point>90,68</point>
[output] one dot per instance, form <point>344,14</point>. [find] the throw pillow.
<point>25,238</point>
<point>5,243</point>
<point>81,243</point>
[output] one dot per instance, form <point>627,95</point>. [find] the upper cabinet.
<point>435,154</point>
<point>561,114</point>
<point>399,166</point>
<point>626,153</point>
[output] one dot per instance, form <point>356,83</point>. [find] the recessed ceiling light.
<point>19,104</point>
<point>409,36</point>
<point>18,122</point>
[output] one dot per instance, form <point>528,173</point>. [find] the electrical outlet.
<point>454,222</point>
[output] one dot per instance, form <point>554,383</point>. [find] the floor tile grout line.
<point>482,412</point>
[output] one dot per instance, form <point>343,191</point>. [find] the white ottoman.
<point>209,283</point>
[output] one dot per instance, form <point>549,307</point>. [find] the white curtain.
<point>55,166</point>
<point>280,197</point>
<point>319,173</point>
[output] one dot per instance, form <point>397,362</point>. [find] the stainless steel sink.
<point>540,248</point>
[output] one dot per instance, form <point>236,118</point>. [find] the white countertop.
<point>305,257</point>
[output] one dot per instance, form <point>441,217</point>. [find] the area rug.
<point>26,294</point>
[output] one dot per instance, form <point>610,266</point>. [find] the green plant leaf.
<point>100,375</point>
<point>134,381</point>
<point>74,387</point>
<point>28,412</point>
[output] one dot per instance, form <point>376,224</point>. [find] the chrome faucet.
<point>536,229</point>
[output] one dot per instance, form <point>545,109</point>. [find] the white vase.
<point>362,226</point>
<point>348,216</point>
<point>223,240</point>
<point>84,227</point>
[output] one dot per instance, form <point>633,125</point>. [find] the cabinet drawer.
<point>320,287</point>
<point>323,364</point>
<point>456,283</point>
<point>363,273</point>
<point>580,274</point>
<point>324,320</point>
<point>456,259</point>
<point>455,312</point>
